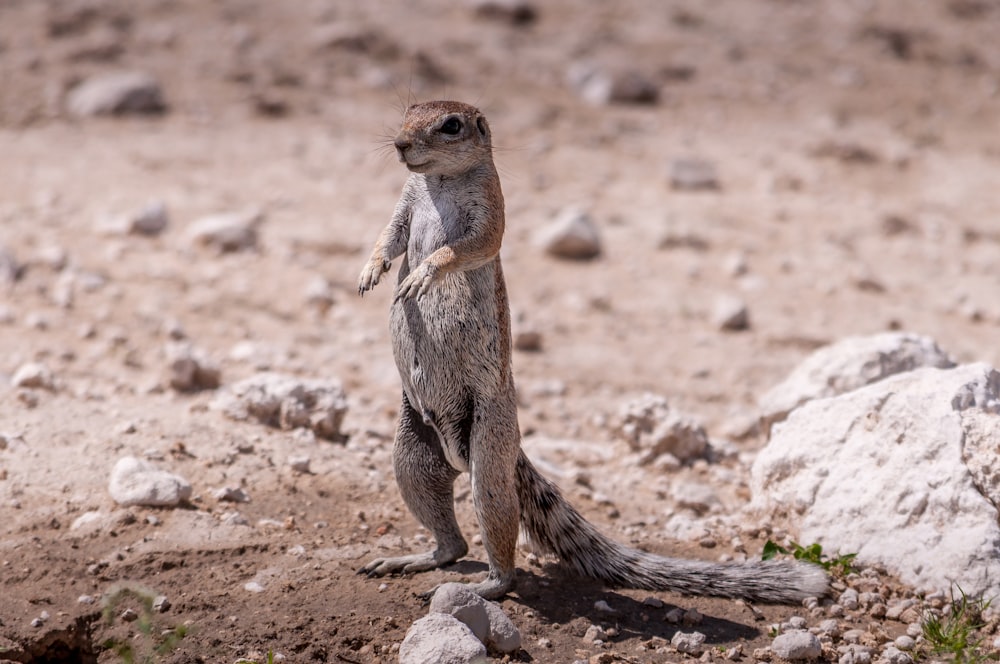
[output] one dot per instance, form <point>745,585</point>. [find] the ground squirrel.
<point>450,324</point>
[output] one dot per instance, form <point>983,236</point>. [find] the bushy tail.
<point>554,526</point>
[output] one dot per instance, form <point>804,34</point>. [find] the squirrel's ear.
<point>482,126</point>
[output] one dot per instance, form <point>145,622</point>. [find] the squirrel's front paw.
<point>371,273</point>
<point>417,282</point>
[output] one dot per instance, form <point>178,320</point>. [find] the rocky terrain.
<point>197,410</point>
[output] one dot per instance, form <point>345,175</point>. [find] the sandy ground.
<point>856,146</point>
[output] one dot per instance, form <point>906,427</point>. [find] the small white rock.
<point>693,174</point>
<point>571,235</point>
<point>601,85</point>
<point>190,369</point>
<point>231,494</point>
<point>849,599</point>
<point>233,231</point>
<point>603,607</point>
<point>893,655</point>
<point>731,314</point>
<point>796,645</point>
<point>690,643</point>
<point>137,482</point>
<point>594,634</point>
<point>115,94</point>
<point>299,464</point>
<point>32,375</point>
<point>456,599</point>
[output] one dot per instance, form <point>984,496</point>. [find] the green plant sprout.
<point>813,553</point>
<point>955,636</point>
<point>155,644</point>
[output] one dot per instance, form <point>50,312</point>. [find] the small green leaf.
<point>772,549</point>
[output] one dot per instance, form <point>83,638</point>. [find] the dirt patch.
<point>853,150</point>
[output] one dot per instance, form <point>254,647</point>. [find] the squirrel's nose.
<point>402,144</point>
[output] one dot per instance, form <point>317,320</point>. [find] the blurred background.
<point>824,168</point>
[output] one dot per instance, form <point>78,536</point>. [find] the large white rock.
<point>486,619</point>
<point>847,365</point>
<point>902,472</point>
<point>651,428</point>
<point>287,402</point>
<point>137,482</point>
<point>439,638</point>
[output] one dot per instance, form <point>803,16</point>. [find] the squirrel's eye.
<point>451,126</point>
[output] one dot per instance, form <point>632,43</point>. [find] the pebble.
<point>235,519</point>
<point>693,174</point>
<point>189,369</point>
<point>692,617</point>
<point>603,607</point>
<point>854,654</point>
<point>149,220</point>
<point>731,314</point>
<point>226,232</point>
<point>514,12</point>
<point>231,494</point>
<point>10,269</point>
<point>796,646</point>
<point>594,634</point>
<point>116,93</point>
<point>319,294</point>
<point>137,482</point>
<point>129,615</point>
<point>299,464</point>
<point>830,627</point>
<point>895,611</point>
<point>905,642</point>
<point>853,635</point>
<point>689,643</point>
<point>571,235</point>
<point>603,85</point>
<point>527,340</point>
<point>893,655</point>
<point>53,257</point>
<point>32,375</point>
<point>849,599</point>
<point>794,623</point>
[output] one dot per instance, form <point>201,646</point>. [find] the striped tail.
<point>554,526</point>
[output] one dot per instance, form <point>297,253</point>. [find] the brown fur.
<point>450,325</point>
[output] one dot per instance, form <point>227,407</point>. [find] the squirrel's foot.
<point>492,588</point>
<point>371,274</point>
<point>417,562</point>
<point>417,282</point>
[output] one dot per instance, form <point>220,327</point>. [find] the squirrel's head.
<point>443,138</point>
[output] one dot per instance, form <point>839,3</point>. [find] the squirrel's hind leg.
<point>426,482</point>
